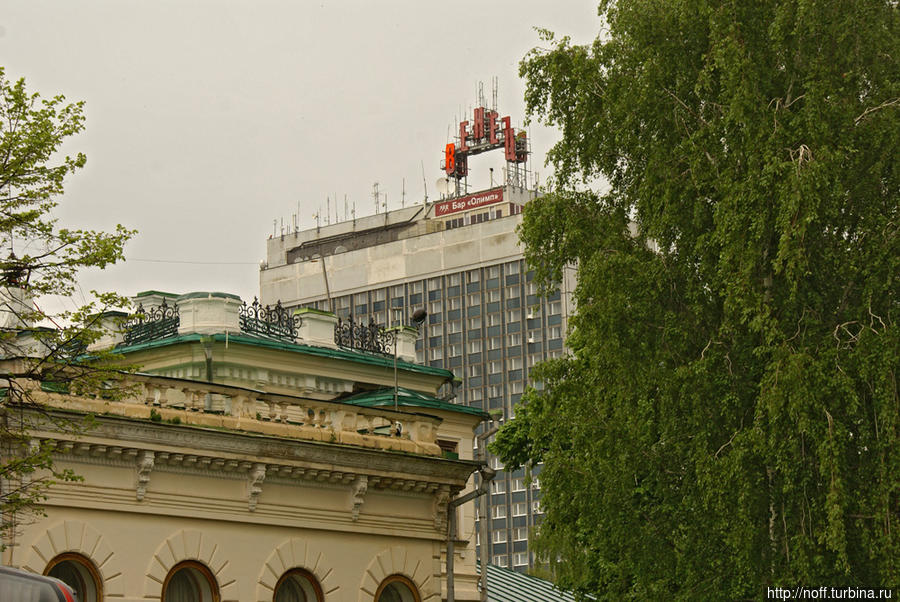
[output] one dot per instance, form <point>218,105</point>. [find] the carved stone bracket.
<point>256,477</point>
<point>358,489</point>
<point>144,466</point>
<point>441,499</point>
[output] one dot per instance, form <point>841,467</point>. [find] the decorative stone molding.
<point>124,439</point>
<point>284,416</point>
<point>441,500</point>
<point>396,560</point>
<point>256,477</point>
<point>358,489</point>
<point>406,342</point>
<point>294,553</point>
<point>83,539</point>
<point>316,327</point>
<point>189,544</point>
<point>209,313</point>
<point>145,463</point>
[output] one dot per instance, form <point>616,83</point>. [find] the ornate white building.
<point>253,458</point>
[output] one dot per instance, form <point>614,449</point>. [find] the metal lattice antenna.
<point>496,85</point>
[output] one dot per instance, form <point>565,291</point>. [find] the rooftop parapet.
<point>162,315</point>
<point>195,403</point>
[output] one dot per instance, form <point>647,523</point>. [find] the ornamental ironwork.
<point>152,323</point>
<point>274,322</point>
<point>364,337</point>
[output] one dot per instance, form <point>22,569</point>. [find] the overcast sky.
<point>209,120</point>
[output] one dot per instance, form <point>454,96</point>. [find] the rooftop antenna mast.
<point>375,195</point>
<point>403,194</point>
<point>424,183</point>
<point>346,216</point>
<point>328,210</point>
<point>496,84</point>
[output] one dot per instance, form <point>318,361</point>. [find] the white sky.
<point>207,120</point>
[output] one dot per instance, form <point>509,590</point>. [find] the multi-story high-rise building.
<point>461,261</point>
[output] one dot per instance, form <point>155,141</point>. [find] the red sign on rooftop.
<point>472,201</point>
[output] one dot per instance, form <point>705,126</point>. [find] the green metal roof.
<point>408,398</point>
<point>342,354</point>
<point>154,292</point>
<point>505,585</point>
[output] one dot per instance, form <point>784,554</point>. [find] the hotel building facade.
<point>461,261</point>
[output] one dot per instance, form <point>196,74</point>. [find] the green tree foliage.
<point>729,415</point>
<point>39,259</point>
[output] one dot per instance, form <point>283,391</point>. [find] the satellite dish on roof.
<point>443,185</point>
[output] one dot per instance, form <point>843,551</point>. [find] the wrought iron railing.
<point>364,337</point>
<point>152,323</point>
<point>273,322</point>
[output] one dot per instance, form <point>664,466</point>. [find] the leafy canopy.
<point>37,258</point>
<point>729,415</point>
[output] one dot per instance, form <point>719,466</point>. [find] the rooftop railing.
<point>163,321</point>
<point>359,336</point>
<point>152,323</point>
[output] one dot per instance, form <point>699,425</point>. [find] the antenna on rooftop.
<point>424,183</point>
<point>327,210</point>
<point>345,208</point>
<point>496,84</point>
<point>375,195</point>
<point>403,194</point>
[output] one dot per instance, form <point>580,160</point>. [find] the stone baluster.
<point>242,406</point>
<point>190,398</point>
<point>335,420</point>
<point>163,396</point>
<point>149,394</point>
<point>310,416</point>
<point>282,411</point>
<point>272,412</point>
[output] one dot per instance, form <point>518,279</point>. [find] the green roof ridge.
<point>408,397</point>
<point>352,356</point>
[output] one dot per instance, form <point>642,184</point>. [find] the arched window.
<point>298,585</point>
<point>397,588</point>
<point>190,581</point>
<point>79,573</point>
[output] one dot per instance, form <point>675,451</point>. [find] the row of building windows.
<point>516,485</point>
<point>193,581</point>
<point>518,509</point>
<point>519,559</point>
<point>500,535</point>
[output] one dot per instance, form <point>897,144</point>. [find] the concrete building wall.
<point>486,321</point>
